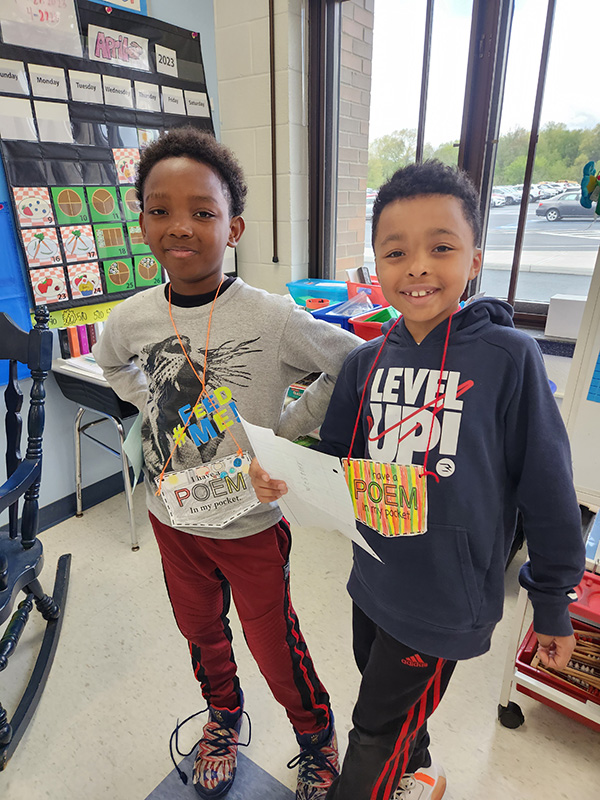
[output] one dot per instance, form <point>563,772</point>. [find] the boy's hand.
<point>267,489</point>
<point>555,651</point>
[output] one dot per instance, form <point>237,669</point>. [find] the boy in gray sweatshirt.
<point>194,356</point>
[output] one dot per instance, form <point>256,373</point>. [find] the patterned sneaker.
<point>318,765</point>
<point>428,783</point>
<point>216,760</point>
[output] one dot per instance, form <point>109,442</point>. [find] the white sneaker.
<point>428,783</point>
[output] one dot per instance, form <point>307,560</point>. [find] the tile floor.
<point>121,679</point>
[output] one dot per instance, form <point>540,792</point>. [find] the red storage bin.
<point>587,605</point>
<point>373,290</point>
<point>585,615</point>
<point>368,325</point>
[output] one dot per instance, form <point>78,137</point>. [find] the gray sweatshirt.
<point>259,344</point>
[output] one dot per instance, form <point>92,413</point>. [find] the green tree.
<point>389,153</point>
<point>561,154</point>
<point>447,153</point>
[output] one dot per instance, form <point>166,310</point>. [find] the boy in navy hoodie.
<point>461,392</point>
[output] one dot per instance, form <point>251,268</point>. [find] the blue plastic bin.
<point>329,315</point>
<point>334,291</point>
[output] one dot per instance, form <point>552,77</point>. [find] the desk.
<point>92,393</point>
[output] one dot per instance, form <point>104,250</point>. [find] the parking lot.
<point>557,257</point>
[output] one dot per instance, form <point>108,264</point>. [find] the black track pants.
<point>400,689</point>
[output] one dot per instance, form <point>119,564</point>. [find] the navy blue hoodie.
<point>498,445</point>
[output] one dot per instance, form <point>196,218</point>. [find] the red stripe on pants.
<point>198,573</point>
<point>404,739</point>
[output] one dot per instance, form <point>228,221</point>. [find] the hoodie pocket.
<point>429,577</point>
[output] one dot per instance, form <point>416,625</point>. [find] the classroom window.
<point>385,45</point>
<point>560,239</point>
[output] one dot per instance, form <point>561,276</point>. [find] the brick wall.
<point>355,98</point>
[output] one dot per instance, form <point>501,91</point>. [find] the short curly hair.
<point>430,177</point>
<point>202,147</point>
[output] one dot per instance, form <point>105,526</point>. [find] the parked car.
<point>563,205</point>
<point>546,191</point>
<point>512,197</point>
<point>497,199</point>
<point>534,192</point>
<point>369,211</point>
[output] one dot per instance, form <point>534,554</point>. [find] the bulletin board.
<point>75,113</point>
<point>581,404</point>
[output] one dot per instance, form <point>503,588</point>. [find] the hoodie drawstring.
<point>438,395</point>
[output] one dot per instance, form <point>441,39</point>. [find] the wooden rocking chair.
<point>21,554</point>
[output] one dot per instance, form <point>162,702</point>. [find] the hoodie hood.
<point>471,320</point>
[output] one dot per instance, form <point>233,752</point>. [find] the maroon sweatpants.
<point>201,575</point>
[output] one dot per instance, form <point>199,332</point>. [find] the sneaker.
<point>428,783</point>
<point>318,765</point>
<point>216,760</point>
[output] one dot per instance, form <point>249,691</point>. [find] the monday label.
<point>48,81</point>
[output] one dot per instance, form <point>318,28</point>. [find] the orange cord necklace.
<point>202,381</point>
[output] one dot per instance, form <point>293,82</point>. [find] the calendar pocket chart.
<point>72,177</point>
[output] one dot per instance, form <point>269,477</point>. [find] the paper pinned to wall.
<point>46,25</point>
<point>318,494</point>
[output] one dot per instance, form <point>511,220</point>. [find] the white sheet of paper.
<point>317,491</point>
<point>117,48</point>
<point>166,60</point>
<point>44,25</point>
<point>48,81</point>
<point>117,91</point>
<point>133,449</point>
<point>12,77</point>
<point>197,104</point>
<point>172,100</point>
<point>16,119</point>
<point>146,96</point>
<point>86,87</point>
<point>54,122</point>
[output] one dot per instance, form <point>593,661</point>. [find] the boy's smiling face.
<point>186,223</point>
<point>425,253</point>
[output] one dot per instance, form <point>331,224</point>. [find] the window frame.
<point>491,24</point>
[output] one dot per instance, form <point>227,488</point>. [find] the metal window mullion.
<point>324,31</point>
<point>424,82</point>
<point>533,139</point>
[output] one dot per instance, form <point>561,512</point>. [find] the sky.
<point>569,97</point>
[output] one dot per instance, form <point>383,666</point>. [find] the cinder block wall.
<point>355,100</point>
<point>242,47</point>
